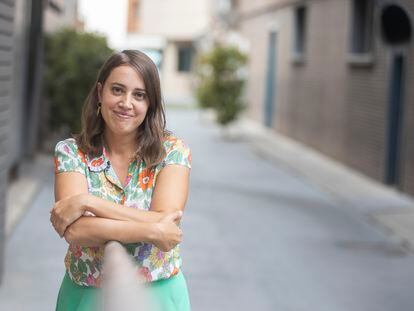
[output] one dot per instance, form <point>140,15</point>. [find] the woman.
<point>123,157</point>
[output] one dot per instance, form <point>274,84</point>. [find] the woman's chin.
<point>123,131</point>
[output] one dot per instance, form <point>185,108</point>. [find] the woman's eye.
<point>116,90</point>
<point>140,95</point>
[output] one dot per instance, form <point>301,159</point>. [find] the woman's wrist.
<point>158,216</point>
<point>152,233</point>
<point>88,203</point>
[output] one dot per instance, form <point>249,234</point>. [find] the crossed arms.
<point>113,221</point>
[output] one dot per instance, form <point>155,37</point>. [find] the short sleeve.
<point>178,152</point>
<point>68,158</point>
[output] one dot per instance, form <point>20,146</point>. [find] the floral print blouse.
<point>84,264</point>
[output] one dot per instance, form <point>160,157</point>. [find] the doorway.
<point>396,32</point>
<point>270,92</point>
<point>395,111</point>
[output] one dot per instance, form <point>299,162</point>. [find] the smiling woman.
<point>123,102</point>
<point>131,175</point>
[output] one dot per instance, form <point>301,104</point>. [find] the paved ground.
<point>34,255</point>
<point>262,236</point>
<point>258,235</point>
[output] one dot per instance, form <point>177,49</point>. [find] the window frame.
<point>361,36</point>
<point>187,65</point>
<point>300,33</point>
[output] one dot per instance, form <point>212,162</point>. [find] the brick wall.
<point>326,101</point>
<point>407,158</point>
<point>316,86</point>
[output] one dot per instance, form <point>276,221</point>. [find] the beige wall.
<point>308,95</point>
<point>248,7</point>
<point>176,86</point>
<point>175,19</point>
<point>316,88</point>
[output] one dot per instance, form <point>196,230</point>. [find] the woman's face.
<point>124,102</point>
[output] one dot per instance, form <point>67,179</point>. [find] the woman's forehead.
<point>127,76</point>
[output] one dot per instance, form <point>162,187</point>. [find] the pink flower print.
<point>160,255</point>
<point>78,252</point>
<point>145,272</point>
<point>128,178</point>
<point>133,205</point>
<point>90,280</point>
<point>157,258</point>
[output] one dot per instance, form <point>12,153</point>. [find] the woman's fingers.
<point>177,217</point>
<point>172,217</point>
<point>57,221</point>
<point>64,213</point>
<point>170,235</point>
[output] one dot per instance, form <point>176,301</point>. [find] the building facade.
<point>168,32</point>
<point>22,24</point>
<point>6,60</point>
<point>336,76</point>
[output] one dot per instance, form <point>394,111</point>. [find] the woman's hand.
<point>168,234</point>
<point>66,211</point>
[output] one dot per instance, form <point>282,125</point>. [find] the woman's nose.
<point>126,101</point>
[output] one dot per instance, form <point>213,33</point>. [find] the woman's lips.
<point>122,115</point>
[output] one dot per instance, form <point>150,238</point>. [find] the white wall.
<point>175,19</point>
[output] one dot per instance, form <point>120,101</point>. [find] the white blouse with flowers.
<point>84,264</point>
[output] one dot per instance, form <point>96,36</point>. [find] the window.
<point>361,33</point>
<point>300,30</point>
<point>185,58</point>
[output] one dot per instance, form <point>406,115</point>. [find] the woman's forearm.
<point>93,231</point>
<point>107,209</point>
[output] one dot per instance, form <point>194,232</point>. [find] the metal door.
<point>269,104</point>
<point>395,111</point>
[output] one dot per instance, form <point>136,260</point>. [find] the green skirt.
<point>168,295</point>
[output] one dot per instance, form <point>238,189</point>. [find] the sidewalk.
<point>20,194</point>
<point>391,210</point>
<point>34,252</point>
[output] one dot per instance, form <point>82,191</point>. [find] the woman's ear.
<point>99,88</point>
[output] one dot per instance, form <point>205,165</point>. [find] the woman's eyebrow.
<point>120,84</point>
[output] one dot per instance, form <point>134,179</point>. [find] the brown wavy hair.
<point>150,134</point>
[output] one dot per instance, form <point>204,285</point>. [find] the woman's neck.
<point>124,146</point>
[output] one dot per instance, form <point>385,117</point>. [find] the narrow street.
<point>256,237</point>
